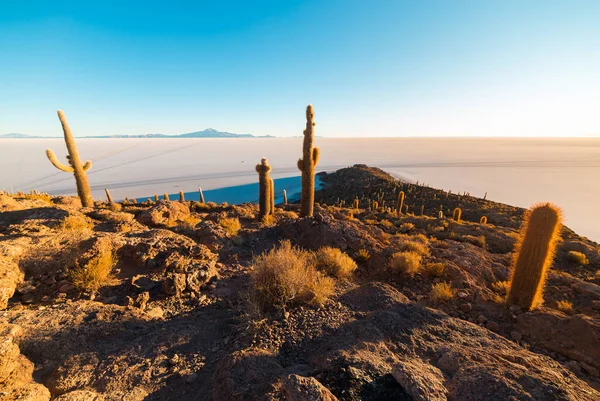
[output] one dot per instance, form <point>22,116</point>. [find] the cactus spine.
<point>284,197</point>
<point>400,202</point>
<point>310,158</point>
<point>264,181</point>
<point>201,195</point>
<point>483,220</point>
<point>534,254</point>
<point>456,214</point>
<point>75,166</point>
<point>181,197</point>
<point>108,197</point>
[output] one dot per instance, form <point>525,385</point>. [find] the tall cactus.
<point>456,214</point>
<point>272,191</point>
<point>181,197</point>
<point>75,166</point>
<point>264,181</point>
<point>534,254</point>
<point>400,202</point>
<point>310,158</point>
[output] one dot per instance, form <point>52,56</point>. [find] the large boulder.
<point>164,214</point>
<point>10,277</point>
<point>300,388</point>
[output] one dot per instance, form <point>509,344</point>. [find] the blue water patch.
<point>247,193</point>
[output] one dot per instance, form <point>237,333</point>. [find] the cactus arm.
<point>87,165</point>
<point>315,156</point>
<point>56,163</point>
<point>300,164</point>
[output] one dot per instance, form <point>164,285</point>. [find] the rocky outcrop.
<point>164,214</point>
<point>10,277</point>
<point>16,382</point>
<point>300,388</point>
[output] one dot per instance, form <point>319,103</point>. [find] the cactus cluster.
<point>534,254</point>
<point>310,158</point>
<point>75,165</point>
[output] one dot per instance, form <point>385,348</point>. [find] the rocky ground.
<point>174,320</point>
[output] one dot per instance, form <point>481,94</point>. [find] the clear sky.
<point>370,67</point>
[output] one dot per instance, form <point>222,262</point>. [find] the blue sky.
<point>370,68</point>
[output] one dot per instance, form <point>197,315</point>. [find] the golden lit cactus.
<point>400,202</point>
<point>155,197</point>
<point>272,191</point>
<point>264,184</point>
<point>356,203</point>
<point>375,205</point>
<point>483,220</point>
<point>534,254</point>
<point>166,196</point>
<point>75,165</point>
<point>456,214</point>
<point>108,196</point>
<point>310,158</point>
<point>181,197</point>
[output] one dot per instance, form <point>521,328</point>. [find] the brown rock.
<point>10,277</point>
<point>164,214</point>
<point>493,326</point>
<point>422,381</point>
<point>174,284</point>
<point>300,388</point>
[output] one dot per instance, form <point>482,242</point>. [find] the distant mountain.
<point>207,133</point>
<point>15,135</point>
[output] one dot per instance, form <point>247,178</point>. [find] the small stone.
<point>157,312</point>
<point>191,378</point>
<point>174,360</point>
<point>515,335</point>
<point>65,287</point>
<point>466,307</point>
<point>462,294</point>
<point>481,319</point>
<point>493,326</point>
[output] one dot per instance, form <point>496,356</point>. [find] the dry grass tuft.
<point>501,287</point>
<point>435,269</point>
<point>406,227</point>
<point>407,262</point>
<point>363,255</point>
<point>189,222</point>
<point>231,225</point>
<point>76,225</point>
<point>287,274</point>
<point>335,262</point>
<point>441,292</point>
<point>419,247</point>
<point>577,257</point>
<point>565,307</point>
<point>92,275</point>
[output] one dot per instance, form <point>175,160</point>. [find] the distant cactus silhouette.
<point>272,191</point>
<point>285,197</point>
<point>264,181</point>
<point>134,200</point>
<point>155,197</point>
<point>181,197</point>
<point>75,166</point>
<point>400,202</point>
<point>166,196</point>
<point>422,210</point>
<point>375,205</point>
<point>356,203</point>
<point>485,196</point>
<point>310,158</point>
<point>201,195</point>
<point>440,215</point>
<point>108,197</point>
<point>534,254</point>
<point>483,220</point>
<point>456,214</point>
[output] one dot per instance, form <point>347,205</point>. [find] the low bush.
<point>565,306</point>
<point>577,257</point>
<point>231,225</point>
<point>93,274</point>
<point>406,262</point>
<point>441,292</point>
<point>335,262</point>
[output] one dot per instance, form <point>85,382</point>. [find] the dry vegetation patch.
<point>441,292</point>
<point>577,257</point>
<point>406,262</point>
<point>231,225</point>
<point>335,262</point>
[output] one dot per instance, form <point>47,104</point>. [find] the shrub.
<point>441,292</point>
<point>96,271</point>
<point>189,222</point>
<point>335,262</point>
<point>413,246</point>
<point>287,274</point>
<point>478,241</point>
<point>565,306</point>
<point>577,257</point>
<point>406,227</point>
<point>501,287</point>
<point>435,269</point>
<point>76,224</point>
<point>231,225</point>
<point>364,255</point>
<point>406,262</point>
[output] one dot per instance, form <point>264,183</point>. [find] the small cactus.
<point>485,196</point>
<point>285,197</point>
<point>75,165</point>
<point>375,205</point>
<point>456,214</point>
<point>483,220</point>
<point>440,215</point>
<point>400,202</point>
<point>166,196</point>
<point>201,195</point>
<point>356,203</point>
<point>534,254</point>
<point>272,190</point>
<point>310,158</point>
<point>108,197</point>
<point>264,181</point>
<point>155,198</point>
